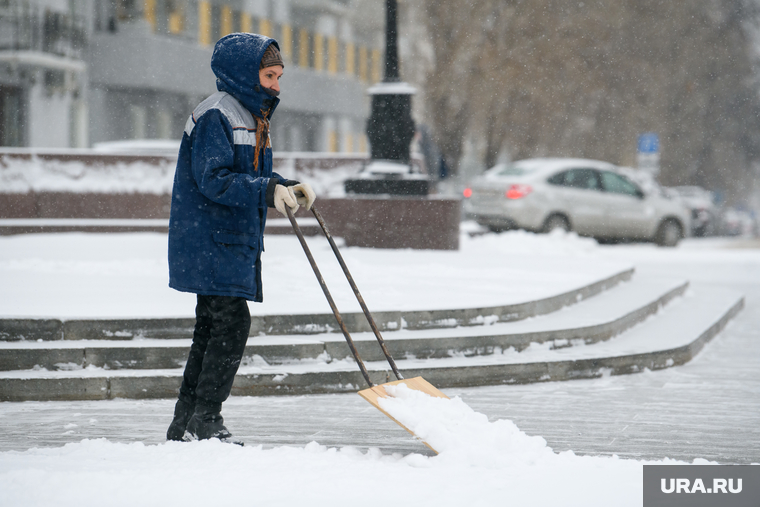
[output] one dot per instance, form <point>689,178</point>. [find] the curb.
<point>334,345</point>
<point>126,329</point>
<point>166,386</point>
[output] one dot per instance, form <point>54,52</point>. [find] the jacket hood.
<point>235,63</point>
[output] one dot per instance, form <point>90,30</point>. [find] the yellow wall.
<point>149,11</point>
<point>350,67</point>
<point>319,56</point>
<point>246,24</point>
<point>226,24</point>
<point>177,21</point>
<point>286,43</point>
<point>303,48</point>
<point>363,63</point>
<point>204,23</point>
<point>332,55</point>
<point>332,142</point>
<point>265,27</point>
<point>376,63</point>
<point>368,67</point>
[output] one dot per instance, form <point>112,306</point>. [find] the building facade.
<point>78,72</point>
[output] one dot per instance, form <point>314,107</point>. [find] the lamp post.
<point>390,128</point>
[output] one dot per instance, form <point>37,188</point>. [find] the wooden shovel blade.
<point>417,383</point>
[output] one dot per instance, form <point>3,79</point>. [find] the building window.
<point>127,10</point>
<point>12,128</point>
<point>166,16</point>
<point>53,32</point>
<point>55,81</point>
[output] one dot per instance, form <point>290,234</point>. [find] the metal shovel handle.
<point>358,295</point>
<point>322,284</point>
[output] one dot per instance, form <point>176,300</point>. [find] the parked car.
<point>704,213</point>
<point>738,222</point>
<point>590,197</point>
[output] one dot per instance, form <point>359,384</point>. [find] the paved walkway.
<point>709,408</point>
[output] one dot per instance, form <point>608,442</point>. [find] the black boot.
<point>183,411</point>
<point>206,423</point>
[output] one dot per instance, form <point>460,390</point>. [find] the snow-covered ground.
<point>483,460</point>
<point>80,275</point>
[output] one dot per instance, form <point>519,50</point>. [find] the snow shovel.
<point>374,392</point>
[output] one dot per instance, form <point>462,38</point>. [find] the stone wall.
<point>367,221</point>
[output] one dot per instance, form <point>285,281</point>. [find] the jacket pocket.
<point>235,263</point>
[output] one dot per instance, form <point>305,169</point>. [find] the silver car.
<point>589,197</point>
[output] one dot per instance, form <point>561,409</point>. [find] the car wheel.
<point>556,222</point>
<point>668,234</point>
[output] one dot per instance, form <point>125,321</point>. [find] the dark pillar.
<point>390,127</point>
<point>391,47</point>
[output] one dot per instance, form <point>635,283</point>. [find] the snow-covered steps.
<point>12,329</point>
<point>139,353</point>
<point>670,337</point>
<point>589,321</point>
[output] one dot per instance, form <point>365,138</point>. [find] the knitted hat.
<point>271,57</point>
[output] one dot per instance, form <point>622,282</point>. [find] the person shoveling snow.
<point>223,185</point>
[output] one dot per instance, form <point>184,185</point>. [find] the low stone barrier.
<point>87,185</point>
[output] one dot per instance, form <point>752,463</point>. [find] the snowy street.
<point>366,253</point>
<point>332,449</point>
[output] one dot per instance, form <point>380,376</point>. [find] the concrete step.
<point>16,329</point>
<point>671,337</point>
<point>589,321</point>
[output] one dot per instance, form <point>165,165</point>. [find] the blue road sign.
<point>649,143</point>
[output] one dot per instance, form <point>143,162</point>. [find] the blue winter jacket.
<point>219,201</point>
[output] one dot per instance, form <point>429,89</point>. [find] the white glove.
<point>307,199</point>
<point>284,196</point>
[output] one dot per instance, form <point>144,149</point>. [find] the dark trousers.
<point>221,331</point>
